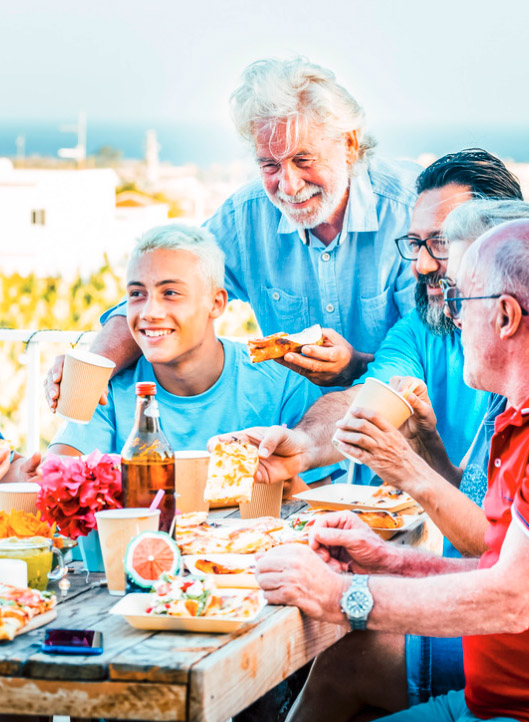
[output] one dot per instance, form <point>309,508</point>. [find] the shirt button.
<point>325,256</point>
<point>275,296</point>
<point>497,463</point>
<point>329,307</point>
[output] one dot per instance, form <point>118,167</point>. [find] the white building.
<point>62,221</point>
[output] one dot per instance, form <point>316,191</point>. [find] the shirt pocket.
<point>281,311</point>
<point>377,316</point>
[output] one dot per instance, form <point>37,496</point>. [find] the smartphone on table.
<point>72,641</point>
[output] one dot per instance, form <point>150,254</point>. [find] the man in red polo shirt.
<point>400,590</point>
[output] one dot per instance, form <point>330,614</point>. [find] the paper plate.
<point>132,607</point>
<point>352,496</point>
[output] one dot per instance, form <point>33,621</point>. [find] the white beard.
<point>329,201</point>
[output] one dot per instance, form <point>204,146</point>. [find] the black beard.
<point>431,313</point>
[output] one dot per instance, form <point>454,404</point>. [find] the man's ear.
<point>509,316</point>
<point>220,301</point>
<point>351,147</point>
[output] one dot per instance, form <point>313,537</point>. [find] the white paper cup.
<point>85,376</point>
<point>191,473</point>
<point>116,528</point>
<point>266,501</point>
<point>19,495</point>
<point>380,397</point>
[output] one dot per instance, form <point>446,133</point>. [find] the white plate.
<point>243,580</point>
<point>133,606</point>
<point>352,496</point>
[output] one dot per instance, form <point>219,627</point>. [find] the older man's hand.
<point>293,574</point>
<point>421,426</point>
<point>369,438</point>
<point>335,363</point>
<point>346,543</point>
<point>283,452</point>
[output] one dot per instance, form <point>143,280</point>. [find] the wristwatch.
<point>357,601</point>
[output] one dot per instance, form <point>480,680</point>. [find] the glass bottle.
<point>147,460</point>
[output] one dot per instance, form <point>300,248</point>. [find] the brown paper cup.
<point>191,473</point>
<point>266,501</point>
<point>84,378</point>
<point>379,397</point>
<point>116,528</point>
<point>21,496</point>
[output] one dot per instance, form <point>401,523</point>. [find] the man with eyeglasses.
<point>396,589</point>
<point>424,344</point>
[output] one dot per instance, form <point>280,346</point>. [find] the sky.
<point>410,63</point>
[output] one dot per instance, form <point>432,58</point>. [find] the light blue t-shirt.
<point>411,350</point>
<point>244,395</point>
<point>358,285</point>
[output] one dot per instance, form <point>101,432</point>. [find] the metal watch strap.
<point>357,601</point>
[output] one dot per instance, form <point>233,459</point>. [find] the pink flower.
<point>72,490</point>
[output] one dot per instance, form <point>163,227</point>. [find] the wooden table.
<point>155,676</point>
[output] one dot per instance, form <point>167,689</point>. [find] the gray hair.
<point>509,272</point>
<point>180,237</point>
<point>470,220</point>
<point>289,92</point>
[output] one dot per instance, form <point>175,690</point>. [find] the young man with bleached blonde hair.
<point>174,294</point>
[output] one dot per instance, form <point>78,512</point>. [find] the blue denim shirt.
<point>358,285</point>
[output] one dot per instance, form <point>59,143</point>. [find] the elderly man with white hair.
<point>311,241</point>
<point>401,590</point>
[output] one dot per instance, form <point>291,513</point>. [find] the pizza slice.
<point>231,471</point>
<point>380,519</point>
<point>387,491</point>
<point>18,606</point>
<point>208,566</point>
<point>279,344</point>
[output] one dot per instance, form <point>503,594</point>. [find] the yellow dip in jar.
<point>36,551</point>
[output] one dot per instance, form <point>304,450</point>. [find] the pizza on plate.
<point>193,597</point>
<point>18,606</point>
<point>380,519</point>
<point>214,538</point>
<point>231,471</point>
<point>208,566</point>
<point>387,491</point>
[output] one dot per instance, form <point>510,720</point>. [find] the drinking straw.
<point>157,499</point>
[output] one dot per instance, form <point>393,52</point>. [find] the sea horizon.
<point>204,145</point>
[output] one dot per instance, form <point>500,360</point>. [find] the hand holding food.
<point>278,344</point>
<point>333,363</point>
<point>345,542</point>
<point>231,472</point>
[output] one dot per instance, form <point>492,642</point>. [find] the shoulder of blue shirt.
<point>392,179</point>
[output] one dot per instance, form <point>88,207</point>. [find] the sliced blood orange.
<point>150,554</point>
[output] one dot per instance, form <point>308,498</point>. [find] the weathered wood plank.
<point>234,676</point>
<point>116,700</point>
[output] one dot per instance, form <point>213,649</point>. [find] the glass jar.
<point>37,552</point>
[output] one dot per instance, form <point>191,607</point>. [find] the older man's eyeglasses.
<point>454,301</point>
<point>409,247</point>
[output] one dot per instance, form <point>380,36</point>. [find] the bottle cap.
<point>145,388</point>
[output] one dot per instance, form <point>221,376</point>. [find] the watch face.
<point>359,604</point>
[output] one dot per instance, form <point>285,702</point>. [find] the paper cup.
<point>266,501</point>
<point>191,473</point>
<point>19,495</point>
<point>84,378</point>
<point>380,397</point>
<point>116,528</point>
